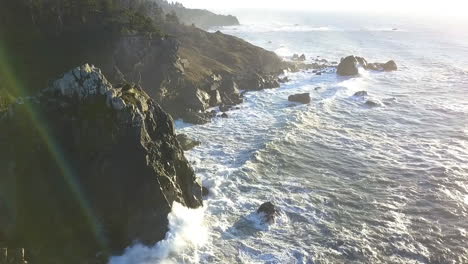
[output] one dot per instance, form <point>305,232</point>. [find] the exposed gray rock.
<point>88,168</point>
<point>187,143</point>
<point>303,98</point>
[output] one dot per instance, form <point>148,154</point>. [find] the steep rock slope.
<point>86,169</point>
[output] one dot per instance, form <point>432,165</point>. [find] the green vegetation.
<point>44,38</point>
<point>5,99</point>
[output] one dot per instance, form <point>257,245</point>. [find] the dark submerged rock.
<point>225,108</point>
<point>86,168</point>
<point>224,115</point>
<point>361,94</point>
<point>372,104</point>
<point>205,191</point>
<point>303,98</point>
<point>268,210</point>
<point>283,80</point>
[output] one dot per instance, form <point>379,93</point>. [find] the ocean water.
<point>354,183</point>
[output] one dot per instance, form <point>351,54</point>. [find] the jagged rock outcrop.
<point>349,66</point>
<point>187,143</point>
<point>86,169</point>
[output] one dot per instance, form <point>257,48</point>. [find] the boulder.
<point>187,143</point>
<point>90,169</point>
<point>268,211</point>
<point>303,98</point>
<point>224,115</point>
<point>390,66</point>
<point>360,94</point>
<point>348,66</point>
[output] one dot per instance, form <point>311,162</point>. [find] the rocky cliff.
<point>185,69</point>
<point>192,70</point>
<point>86,169</point>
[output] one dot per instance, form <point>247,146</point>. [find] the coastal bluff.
<point>87,169</point>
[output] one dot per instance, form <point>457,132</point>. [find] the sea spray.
<point>186,231</point>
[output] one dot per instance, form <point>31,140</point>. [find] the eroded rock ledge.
<point>86,169</point>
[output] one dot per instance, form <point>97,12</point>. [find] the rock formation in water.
<point>349,66</point>
<point>268,211</point>
<point>87,169</point>
<point>303,98</point>
<point>360,94</point>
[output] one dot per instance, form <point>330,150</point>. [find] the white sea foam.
<point>186,231</point>
<point>346,176</point>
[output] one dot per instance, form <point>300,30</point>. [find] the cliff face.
<point>216,66</point>
<point>86,169</point>
<point>186,70</point>
<point>192,69</point>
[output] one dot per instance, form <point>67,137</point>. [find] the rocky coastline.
<point>98,168</point>
<point>90,163</point>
